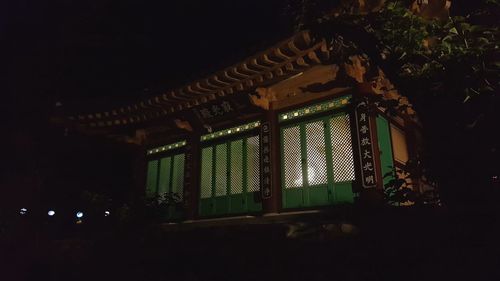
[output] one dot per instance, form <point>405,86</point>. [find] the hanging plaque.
<point>265,160</point>
<point>365,144</point>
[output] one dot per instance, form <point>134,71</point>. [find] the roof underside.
<point>286,59</point>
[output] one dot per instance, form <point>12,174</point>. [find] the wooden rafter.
<point>287,58</point>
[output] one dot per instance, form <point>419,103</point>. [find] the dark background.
<point>66,56</point>
<point>86,53</point>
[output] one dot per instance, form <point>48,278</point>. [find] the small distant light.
<point>79,215</point>
<point>51,213</point>
<point>23,211</point>
<point>106,213</point>
<point>495,179</point>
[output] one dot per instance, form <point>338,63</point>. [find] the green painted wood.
<point>343,193</point>
<point>178,175</point>
<point>230,170</point>
<point>251,175</point>
<point>236,167</point>
<point>237,204</point>
<point>385,147</point>
<point>306,200</point>
<point>293,198</point>
<point>206,185</point>
<point>221,170</point>
<point>253,202</point>
<point>221,205</point>
<point>329,164</point>
<point>318,186</point>
<point>252,164</point>
<point>317,196</point>
<point>206,207</point>
<point>292,174</point>
<point>165,172</point>
<point>236,198</point>
<point>152,178</point>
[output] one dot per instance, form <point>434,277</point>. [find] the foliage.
<point>412,49</point>
<point>158,206</point>
<point>435,50</point>
<point>447,68</point>
<point>400,190</point>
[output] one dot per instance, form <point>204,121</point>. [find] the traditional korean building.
<point>295,127</point>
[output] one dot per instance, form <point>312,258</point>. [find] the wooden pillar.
<point>376,151</point>
<point>272,204</point>
<point>356,184</point>
<point>192,176</point>
<point>140,171</point>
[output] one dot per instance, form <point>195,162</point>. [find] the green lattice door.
<point>317,162</point>
<point>165,178</point>
<point>230,180</point>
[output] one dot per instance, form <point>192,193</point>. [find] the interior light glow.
<point>51,213</point>
<point>310,175</point>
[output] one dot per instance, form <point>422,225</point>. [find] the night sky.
<point>84,54</point>
<point>74,51</point>
<point>93,51</point>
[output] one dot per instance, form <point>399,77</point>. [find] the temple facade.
<point>300,126</point>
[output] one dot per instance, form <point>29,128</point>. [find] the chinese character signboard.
<point>265,159</point>
<point>216,110</point>
<point>365,144</point>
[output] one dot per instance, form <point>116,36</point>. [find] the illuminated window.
<point>152,178</point>
<point>206,172</point>
<point>224,170</point>
<point>292,157</point>
<point>311,147</point>
<point>165,177</point>
<point>342,156</point>
<point>316,153</point>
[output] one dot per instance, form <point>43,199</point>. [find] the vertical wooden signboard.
<point>365,144</point>
<point>265,160</point>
